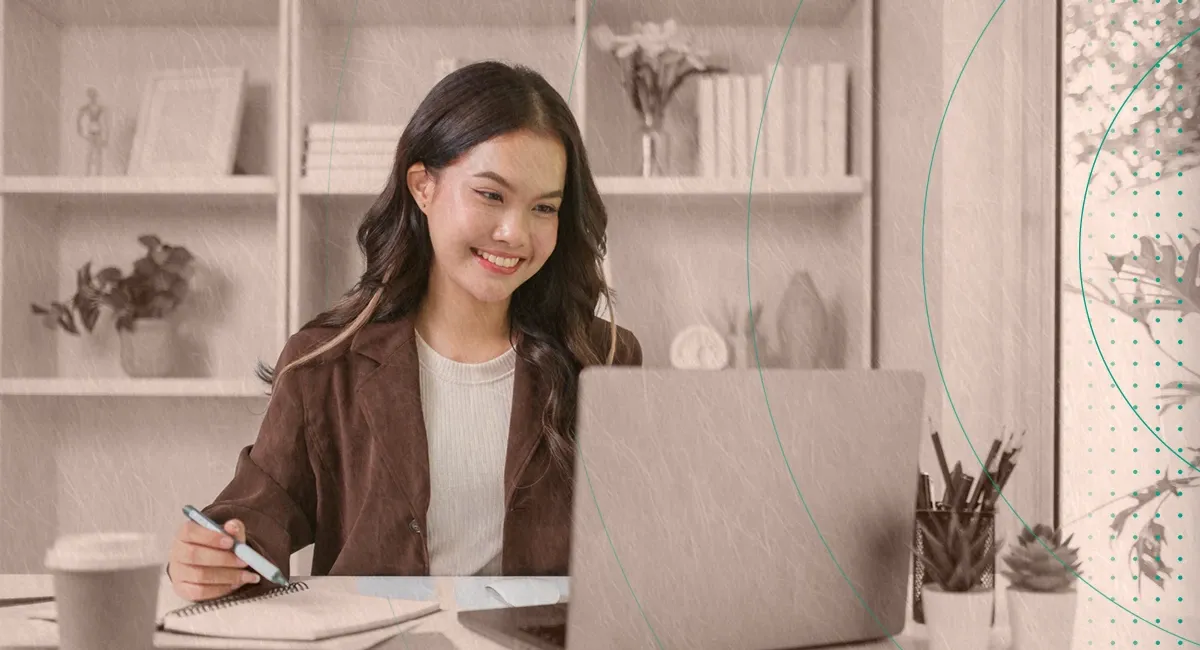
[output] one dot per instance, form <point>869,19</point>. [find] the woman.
<point>424,424</point>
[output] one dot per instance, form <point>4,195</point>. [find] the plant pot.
<point>1041,620</point>
<point>958,620</point>
<point>146,350</point>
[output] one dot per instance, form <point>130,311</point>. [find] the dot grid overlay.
<point>1130,368</point>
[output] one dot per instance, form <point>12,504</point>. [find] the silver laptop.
<point>718,510</point>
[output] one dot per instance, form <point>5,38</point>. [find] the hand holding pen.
<point>209,561</point>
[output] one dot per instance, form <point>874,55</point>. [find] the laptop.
<point>689,529</point>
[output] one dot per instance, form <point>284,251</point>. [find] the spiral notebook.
<point>296,612</point>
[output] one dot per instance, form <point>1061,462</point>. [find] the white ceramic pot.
<point>957,620</point>
<point>147,350</point>
<point>1041,620</point>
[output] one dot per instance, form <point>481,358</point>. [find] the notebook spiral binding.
<point>234,599</point>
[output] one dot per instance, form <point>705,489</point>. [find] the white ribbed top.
<point>467,408</point>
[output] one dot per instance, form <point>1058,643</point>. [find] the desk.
<point>439,631</point>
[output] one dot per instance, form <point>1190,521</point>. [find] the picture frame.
<point>189,122</point>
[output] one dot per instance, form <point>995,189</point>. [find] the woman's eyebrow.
<point>501,180</point>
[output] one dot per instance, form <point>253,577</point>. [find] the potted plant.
<point>958,549</point>
<point>140,302</point>
<point>1042,569</point>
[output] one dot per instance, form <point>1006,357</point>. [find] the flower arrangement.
<point>156,287</point>
<point>656,60</point>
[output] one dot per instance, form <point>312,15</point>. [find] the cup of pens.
<point>954,537</point>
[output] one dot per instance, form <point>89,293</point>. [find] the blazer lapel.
<point>390,398</point>
<point>523,435</point>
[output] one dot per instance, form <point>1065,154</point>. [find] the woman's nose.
<point>513,228</point>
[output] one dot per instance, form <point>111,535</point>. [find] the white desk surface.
<point>439,631</point>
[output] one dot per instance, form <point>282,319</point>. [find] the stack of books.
<point>358,152</point>
<point>805,131</point>
<point>350,152</point>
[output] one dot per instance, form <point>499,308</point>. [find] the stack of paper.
<point>803,133</point>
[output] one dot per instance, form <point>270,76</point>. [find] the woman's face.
<point>493,213</point>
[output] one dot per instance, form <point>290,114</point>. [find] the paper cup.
<point>106,590</point>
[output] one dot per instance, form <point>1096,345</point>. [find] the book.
<point>797,120</point>
<point>756,144</point>
<point>297,612</point>
<point>837,117</point>
<point>706,127</point>
<point>724,125</point>
<point>815,122</point>
<point>741,117</point>
<point>776,126</point>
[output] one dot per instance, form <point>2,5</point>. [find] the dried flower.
<point>656,60</point>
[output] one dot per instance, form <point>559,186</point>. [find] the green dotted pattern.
<point>1138,276</point>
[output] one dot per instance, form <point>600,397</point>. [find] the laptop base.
<point>540,627</point>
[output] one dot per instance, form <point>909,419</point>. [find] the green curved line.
<point>579,447</point>
<point>758,360</point>
<point>1079,252</point>
<point>941,374</point>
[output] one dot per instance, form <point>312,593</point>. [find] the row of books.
<point>804,131</point>
<point>358,150</point>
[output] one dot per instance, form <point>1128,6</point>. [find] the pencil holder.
<point>939,520</point>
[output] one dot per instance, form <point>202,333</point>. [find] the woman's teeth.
<point>505,262</point>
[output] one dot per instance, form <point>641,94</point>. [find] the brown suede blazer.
<point>341,462</point>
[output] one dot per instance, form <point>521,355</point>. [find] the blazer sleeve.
<point>273,490</point>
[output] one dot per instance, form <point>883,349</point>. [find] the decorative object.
<point>189,122</point>
<point>957,550</point>
<point>655,60</point>
<point>955,544</point>
<point>802,324</point>
<point>91,122</point>
<point>699,347</point>
<point>141,303</point>
<point>1159,279</point>
<point>1042,569</point>
<point>744,338</point>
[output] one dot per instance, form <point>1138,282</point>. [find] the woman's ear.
<point>420,184</point>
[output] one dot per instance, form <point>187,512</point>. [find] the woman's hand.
<point>202,565</point>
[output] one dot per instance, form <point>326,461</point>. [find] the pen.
<point>240,549</point>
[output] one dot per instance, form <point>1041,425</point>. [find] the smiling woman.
<point>425,423</point>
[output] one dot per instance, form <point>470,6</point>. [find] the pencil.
<point>941,457</point>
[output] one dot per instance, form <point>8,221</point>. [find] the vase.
<point>958,620</point>
<point>802,324</point>
<point>147,348</point>
<point>653,146</point>
<point>1041,620</point>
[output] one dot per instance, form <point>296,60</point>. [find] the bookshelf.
<point>276,243</point>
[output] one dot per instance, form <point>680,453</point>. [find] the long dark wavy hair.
<point>550,314</point>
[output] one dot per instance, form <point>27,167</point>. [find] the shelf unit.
<point>276,247</point>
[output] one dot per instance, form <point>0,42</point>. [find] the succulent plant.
<point>958,552</point>
<point>1047,565</point>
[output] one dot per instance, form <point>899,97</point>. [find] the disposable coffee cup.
<point>106,590</point>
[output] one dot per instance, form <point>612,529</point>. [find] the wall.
<point>987,237</point>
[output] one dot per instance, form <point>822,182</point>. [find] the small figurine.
<point>94,130</point>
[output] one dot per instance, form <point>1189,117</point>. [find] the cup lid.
<point>103,551</point>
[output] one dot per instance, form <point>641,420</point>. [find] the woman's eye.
<point>491,196</point>
<point>548,209</point>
